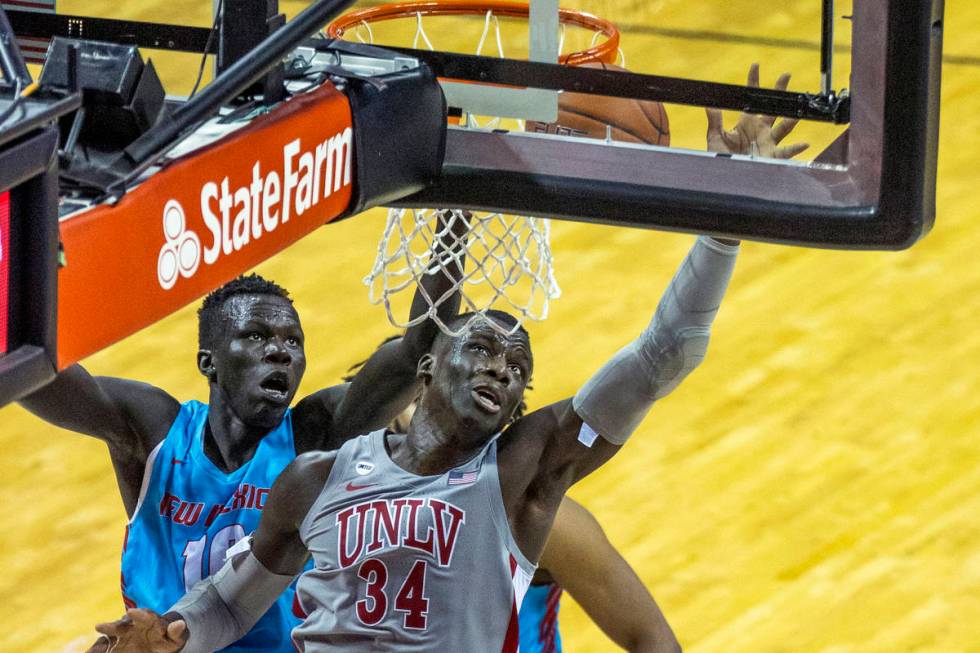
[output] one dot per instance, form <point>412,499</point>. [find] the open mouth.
<point>276,386</point>
<point>486,399</point>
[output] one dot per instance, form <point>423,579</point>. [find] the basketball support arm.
<point>397,132</point>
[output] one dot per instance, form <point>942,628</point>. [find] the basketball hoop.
<point>508,257</point>
<point>606,51</point>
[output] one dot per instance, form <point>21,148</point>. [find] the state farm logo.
<point>181,254</point>
<point>237,212</point>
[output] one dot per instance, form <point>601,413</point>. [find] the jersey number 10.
<point>197,565</point>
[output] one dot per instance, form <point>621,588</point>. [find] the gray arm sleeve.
<point>617,398</point>
<point>220,609</point>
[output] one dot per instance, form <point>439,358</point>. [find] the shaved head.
<point>502,318</point>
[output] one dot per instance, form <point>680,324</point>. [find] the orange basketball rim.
<point>605,51</point>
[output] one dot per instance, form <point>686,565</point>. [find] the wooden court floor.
<point>814,487</point>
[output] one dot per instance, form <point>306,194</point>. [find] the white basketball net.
<point>508,257</point>
<point>508,263</point>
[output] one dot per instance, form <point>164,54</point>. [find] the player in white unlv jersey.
<point>382,591</point>
<point>391,549</point>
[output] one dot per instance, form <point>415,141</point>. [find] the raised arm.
<point>220,609</point>
<point>754,134</point>
<point>543,454</point>
<point>387,381</point>
<point>129,416</point>
<point>583,561</point>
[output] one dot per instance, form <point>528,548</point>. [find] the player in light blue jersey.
<point>194,478</point>
<point>192,510</point>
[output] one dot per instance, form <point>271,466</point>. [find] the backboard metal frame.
<point>879,195</point>
<point>529,103</point>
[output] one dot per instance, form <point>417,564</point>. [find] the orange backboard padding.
<point>203,220</point>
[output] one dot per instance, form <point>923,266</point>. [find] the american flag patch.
<point>462,478</point>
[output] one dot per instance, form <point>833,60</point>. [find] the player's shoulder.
<point>535,428</point>
<point>313,417</point>
<point>299,485</point>
<point>149,409</point>
<point>312,467</point>
<point>139,394</point>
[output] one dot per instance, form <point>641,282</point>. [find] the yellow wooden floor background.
<point>814,487</point>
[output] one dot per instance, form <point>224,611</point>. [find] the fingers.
<point>715,122</point>
<point>784,127</point>
<point>789,151</point>
<point>115,628</point>
<point>783,82</point>
<point>152,629</point>
<point>177,631</point>
<point>781,85</point>
<point>101,645</point>
<point>753,75</point>
<point>140,630</point>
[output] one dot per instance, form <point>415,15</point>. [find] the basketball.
<point>632,121</point>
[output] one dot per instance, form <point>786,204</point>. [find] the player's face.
<point>482,375</point>
<point>260,361</point>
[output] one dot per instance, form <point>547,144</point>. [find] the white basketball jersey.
<point>410,563</point>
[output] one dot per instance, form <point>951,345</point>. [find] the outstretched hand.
<point>754,134</point>
<point>140,631</point>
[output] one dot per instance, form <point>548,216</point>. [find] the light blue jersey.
<point>190,513</point>
<point>538,619</point>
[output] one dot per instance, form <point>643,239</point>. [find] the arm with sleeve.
<point>617,398</point>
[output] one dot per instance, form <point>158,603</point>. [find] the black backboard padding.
<point>29,172</point>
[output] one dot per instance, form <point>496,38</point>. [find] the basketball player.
<point>426,541</point>
<point>194,478</point>
<point>580,559</point>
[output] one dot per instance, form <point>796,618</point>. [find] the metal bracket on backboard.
<point>529,103</point>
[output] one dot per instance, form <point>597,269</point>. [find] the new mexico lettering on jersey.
<point>180,511</point>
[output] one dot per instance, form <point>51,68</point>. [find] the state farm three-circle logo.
<point>181,254</point>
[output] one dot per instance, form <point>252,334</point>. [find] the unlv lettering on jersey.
<point>428,525</point>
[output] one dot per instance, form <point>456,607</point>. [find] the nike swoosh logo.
<point>174,461</point>
<point>353,488</point>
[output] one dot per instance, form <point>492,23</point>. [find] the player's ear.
<point>424,369</point>
<point>205,364</point>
